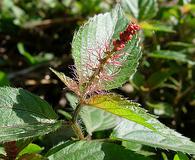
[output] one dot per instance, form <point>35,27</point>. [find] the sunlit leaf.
<point>121,107</point>
<point>94,118</point>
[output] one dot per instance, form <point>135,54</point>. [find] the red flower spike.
<point>118,45</point>
<point>125,36</point>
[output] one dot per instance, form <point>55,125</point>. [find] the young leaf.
<point>162,137</point>
<point>70,83</point>
<point>122,108</point>
<point>91,44</point>
<point>94,150</point>
<point>24,115</point>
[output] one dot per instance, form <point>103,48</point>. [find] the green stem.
<point>77,129</point>
<point>76,113</point>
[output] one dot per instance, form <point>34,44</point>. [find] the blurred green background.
<point>37,34</point>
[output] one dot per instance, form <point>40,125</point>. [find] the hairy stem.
<point>98,70</point>
<point>78,131</point>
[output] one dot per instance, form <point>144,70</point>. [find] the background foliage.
<point>37,34</point>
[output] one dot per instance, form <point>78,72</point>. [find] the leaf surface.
<point>121,107</point>
<point>163,137</point>
<point>24,115</point>
<point>94,118</point>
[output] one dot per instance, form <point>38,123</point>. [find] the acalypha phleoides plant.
<point>106,52</point>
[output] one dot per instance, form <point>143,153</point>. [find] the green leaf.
<point>121,107</point>
<point>22,143</point>
<point>70,83</point>
<point>97,120</point>
<point>164,156</point>
<point>172,55</point>
<point>136,147</point>
<point>156,26</point>
<point>31,148</point>
<point>158,78</point>
<point>95,33</point>
<point>40,58</point>
<point>66,115</point>
<point>3,79</point>
<point>180,156</point>
<point>180,44</point>
<point>126,71</point>
<point>138,80</point>
<point>132,146</point>
<point>2,151</point>
<point>93,118</point>
<point>162,137</point>
<point>32,156</point>
<point>161,108</point>
<point>57,147</point>
<point>64,133</point>
<point>141,9</point>
<point>26,54</point>
<point>24,115</point>
<point>93,39</point>
<point>94,150</point>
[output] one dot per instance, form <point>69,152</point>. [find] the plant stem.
<point>76,113</point>
<point>78,131</point>
<point>75,125</point>
<point>97,71</point>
